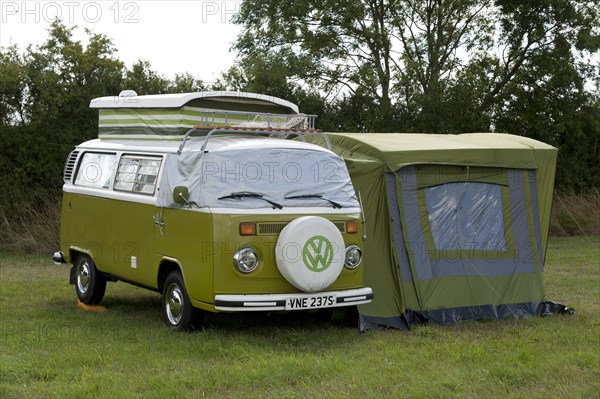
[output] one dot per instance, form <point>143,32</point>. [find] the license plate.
<point>311,302</point>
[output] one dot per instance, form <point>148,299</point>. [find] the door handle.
<point>159,223</point>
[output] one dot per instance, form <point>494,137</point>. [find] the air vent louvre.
<point>273,229</point>
<point>270,229</point>
<point>70,166</point>
<point>341,226</point>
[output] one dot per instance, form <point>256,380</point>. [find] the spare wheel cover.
<point>310,253</point>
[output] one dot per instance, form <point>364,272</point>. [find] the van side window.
<point>96,170</point>
<point>137,174</point>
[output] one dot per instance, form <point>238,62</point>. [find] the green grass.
<point>51,348</point>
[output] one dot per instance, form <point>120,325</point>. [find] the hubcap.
<point>174,304</point>
<point>83,277</point>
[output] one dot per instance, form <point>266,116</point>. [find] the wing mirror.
<point>181,195</point>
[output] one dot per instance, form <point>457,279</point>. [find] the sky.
<point>174,36</point>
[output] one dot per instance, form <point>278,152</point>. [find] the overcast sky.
<point>175,36</point>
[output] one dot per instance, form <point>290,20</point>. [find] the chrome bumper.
<point>58,258</point>
<point>271,302</point>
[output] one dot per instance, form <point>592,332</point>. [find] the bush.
<point>32,228</point>
<point>35,228</point>
<point>574,214</point>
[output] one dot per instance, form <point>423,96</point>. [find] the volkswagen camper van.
<point>214,200</point>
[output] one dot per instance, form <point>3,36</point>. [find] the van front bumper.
<point>270,302</point>
<point>58,258</point>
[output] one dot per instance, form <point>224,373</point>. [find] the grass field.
<point>51,348</point>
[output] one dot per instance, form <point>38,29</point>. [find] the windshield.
<point>289,177</point>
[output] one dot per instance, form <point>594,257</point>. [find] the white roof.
<point>220,143</point>
<point>178,100</point>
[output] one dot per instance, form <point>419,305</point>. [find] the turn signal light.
<point>351,226</point>
<point>247,229</point>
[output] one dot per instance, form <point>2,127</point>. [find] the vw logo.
<point>317,253</point>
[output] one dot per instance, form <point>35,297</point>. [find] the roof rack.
<point>272,132</point>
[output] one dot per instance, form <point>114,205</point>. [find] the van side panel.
<point>131,234</point>
<point>84,225</point>
<point>187,236</point>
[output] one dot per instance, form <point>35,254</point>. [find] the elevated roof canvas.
<point>164,115</point>
<point>179,100</point>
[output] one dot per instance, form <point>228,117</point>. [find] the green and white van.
<point>214,200</point>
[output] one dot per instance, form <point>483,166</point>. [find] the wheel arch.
<point>89,282</point>
<point>166,266</point>
<point>75,252</point>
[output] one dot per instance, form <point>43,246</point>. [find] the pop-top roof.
<point>168,115</point>
<point>214,99</point>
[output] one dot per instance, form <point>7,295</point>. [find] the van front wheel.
<point>90,284</point>
<point>177,309</point>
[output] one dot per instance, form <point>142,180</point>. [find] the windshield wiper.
<point>320,196</point>
<point>247,194</point>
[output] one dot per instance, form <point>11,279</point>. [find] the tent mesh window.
<point>466,216</point>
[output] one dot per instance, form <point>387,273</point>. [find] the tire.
<point>90,284</point>
<point>178,312</point>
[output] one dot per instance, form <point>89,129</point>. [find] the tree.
<point>543,87</point>
<point>443,66</point>
<point>268,74</point>
<point>411,54</point>
<point>329,44</point>
<point>376,48</point>
<point>45,95</point>
<point>558,110</point>
<point>44,106</point>
<point>12,88</point>
<point>143,80</point>
<point>186,83</point>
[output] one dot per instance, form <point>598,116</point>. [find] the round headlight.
<point>245,260</point>
<point>353,257</point>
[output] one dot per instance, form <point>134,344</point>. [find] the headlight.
<point>353,257</point>
<point>245,260</point>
